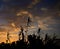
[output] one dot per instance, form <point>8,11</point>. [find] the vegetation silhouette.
<point>34,41</point>
<point>8,37</point>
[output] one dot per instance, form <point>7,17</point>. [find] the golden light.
<point>13,31</point>
<point>17,29</point>
<point>13,24</point>
<point>24,13</point>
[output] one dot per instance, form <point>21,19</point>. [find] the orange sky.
<point>13,27</point>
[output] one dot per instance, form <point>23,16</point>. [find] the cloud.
<point>15,13</point>
<point>34,2</point>
<point>24,13</point>
<point>2,30</point>
<point>43,23</point>
<point>44,9</point>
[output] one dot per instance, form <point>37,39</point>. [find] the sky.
<point>43,13</point>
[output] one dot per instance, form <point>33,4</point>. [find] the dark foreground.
<point>34,42</point>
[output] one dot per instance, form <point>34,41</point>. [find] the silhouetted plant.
<point>34,42</point>
<point>38,30</point>
<point>21,33</point>
<point>8,37</point>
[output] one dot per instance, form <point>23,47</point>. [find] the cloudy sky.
<point>44,14</point>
